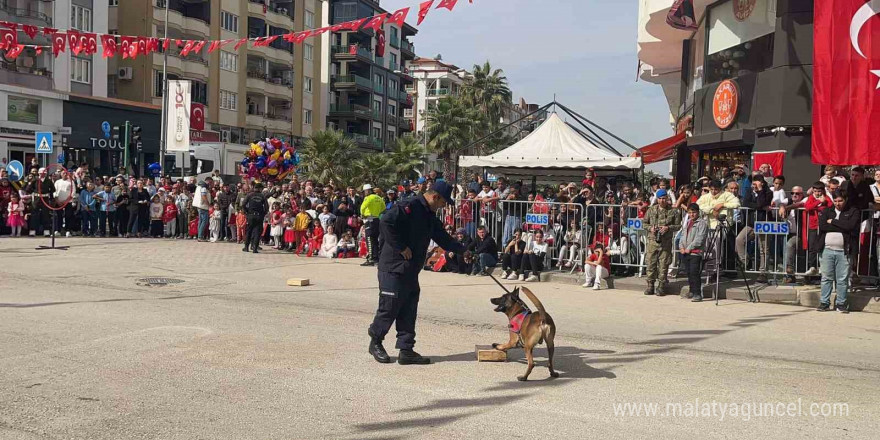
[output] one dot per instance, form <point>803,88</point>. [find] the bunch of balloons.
<point>270,160</point>
<point>154,169</point>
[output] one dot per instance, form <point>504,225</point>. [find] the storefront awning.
<point>660,150</point>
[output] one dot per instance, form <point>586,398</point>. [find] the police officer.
<point>371,208</point>
<point>255,207</point>
<point>406,230</point>
<point>661,223</point>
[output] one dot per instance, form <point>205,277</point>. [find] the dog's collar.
<point>517,321</point>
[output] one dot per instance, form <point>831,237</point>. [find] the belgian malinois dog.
<point>527,328</point>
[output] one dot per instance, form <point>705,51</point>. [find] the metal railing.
<point>359,80</point>
<point>24,13</point>
<point>438,92</point>
<point>407,46</point>
<point>351,108</point>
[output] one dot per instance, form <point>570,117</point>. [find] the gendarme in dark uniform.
<point>405,232</point>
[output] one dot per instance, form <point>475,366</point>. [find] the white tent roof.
<point>553,145</point>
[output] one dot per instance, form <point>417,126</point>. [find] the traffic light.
<point>116,132</point>
<point>136,135</point>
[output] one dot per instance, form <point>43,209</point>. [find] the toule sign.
<point>177,135</point>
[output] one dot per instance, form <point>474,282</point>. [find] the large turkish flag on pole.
<point>846,82</point>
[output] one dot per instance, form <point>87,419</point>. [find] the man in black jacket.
<point>224,199</point>
<point>255,205</point>
<point>758,202</point>
<point>485,252</point>
<point>455,262</point>
<point>838,234</point>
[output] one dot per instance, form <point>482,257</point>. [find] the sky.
<point>583,51</point>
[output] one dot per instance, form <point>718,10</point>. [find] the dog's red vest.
<point>517,321</point>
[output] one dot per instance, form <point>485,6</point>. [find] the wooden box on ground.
<point>298,282</point>
<point>485,353</point>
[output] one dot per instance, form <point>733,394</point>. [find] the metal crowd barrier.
<point>766,242</point>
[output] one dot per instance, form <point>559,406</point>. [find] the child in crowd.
<point>240,225</point>
<point>16,215</point>
<point>277,222</point>
<point>327,218</point>
<point>215,222</point>
<point>193,216</point>
<point>156,211</point>
<point>169,216</point>
<point>346,246</point>
<point>571,245</point>
<point>316,238</point>
<point>597,267</point>
<point>300,229</point>
<point>328,244</point>
<point>289,237</point>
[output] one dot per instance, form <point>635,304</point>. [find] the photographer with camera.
<point>661,222</point>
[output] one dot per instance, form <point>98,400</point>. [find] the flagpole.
<point>163,140</point>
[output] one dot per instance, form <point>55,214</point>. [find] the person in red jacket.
<point>813,205</point>
<point>169,217</point>
<point>316,238</point>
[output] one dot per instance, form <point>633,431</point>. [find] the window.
<point>228,100</point>
<point>379,79</point>
<point>391,135</point>
<point>377,133</point>
<point>740,41</point>
<point>22,109</point>
<point>377,105</point>
<point>81,18</point>
<point>344,12</point>
<point>307,51</point>
<point>310,20</point>
<point>393,65</point>
<point>80,70</point>
<point>307,117</point>
<point>228,61</point>
<point>392,109</point>
<point>307,84</point>
<point>392,84</point>
<point>229,21</point>
<point>393,33</point>
<point>199,92</point>
<point>114,2</point>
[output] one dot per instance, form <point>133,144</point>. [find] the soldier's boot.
<point>650,289</point>
<point>409,357</point>
<point>378,351</point>
<point>662,288</point>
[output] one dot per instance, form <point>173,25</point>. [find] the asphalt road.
<point>233,353</point>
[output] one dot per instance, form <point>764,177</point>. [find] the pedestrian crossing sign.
<point>43,142</point>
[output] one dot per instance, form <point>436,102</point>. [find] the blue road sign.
<point>15,170</point>
<point>43,142</point>
<point>537,219</point>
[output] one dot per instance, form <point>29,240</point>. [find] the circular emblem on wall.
<point>725,104</point>
<point>742,9</point>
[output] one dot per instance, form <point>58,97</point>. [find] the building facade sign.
<point>725,104</point>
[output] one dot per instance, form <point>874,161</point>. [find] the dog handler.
<point>405,231</point>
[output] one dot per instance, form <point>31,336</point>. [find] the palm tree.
<point>450,128</point>
<point>407,156</point>
<point>376,169</point>
<point>488,90</point>
<point>326,155</point>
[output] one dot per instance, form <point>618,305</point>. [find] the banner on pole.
<point>177,107</point>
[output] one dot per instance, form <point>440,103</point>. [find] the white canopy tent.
<point>553,145</point>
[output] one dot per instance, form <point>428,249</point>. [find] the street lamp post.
<point>162,137</point>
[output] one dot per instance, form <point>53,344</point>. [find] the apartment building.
<point>33,88</point>
<point>248,93</point>
<point>368,98</point>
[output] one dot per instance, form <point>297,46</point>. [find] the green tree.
<point>488,90</point>
<point>407,156</point>
<point>376,169</point>
<point>450,127</point>
<point>327,155</point>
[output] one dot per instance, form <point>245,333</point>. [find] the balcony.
<point>351,81</point>
<point>263,82</point>
<point>438,92</point>
<point>362,140</point>
<point>34,78</point>
<point>344,53</point>
<point>404,124</point>
<point>379,88</point>
<point>194,18</point>
<point>391,119</point>
<point>256,117</point>
<point>350,110</point>
<point>278,121</point>
<point>24,16</point>
<point>407,50</point>
<point>380,61</point>
<point>277,13</point>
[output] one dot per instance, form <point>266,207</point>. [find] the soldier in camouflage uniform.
<point>661,222</point>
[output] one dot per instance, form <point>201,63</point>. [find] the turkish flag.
<point>8,39</point>
<point>59,41</point>
<point>399,17</point>
<point>380,43</point>
<point>214,45</point>
<point>12,52</point>
<point>354,25</point>
<point>240,43</point>
<point>353,49</point>
<point>197,116</point>
<point>197,48</point>
<point>109,44</point>
<point>299,37</point>
<point>376,22</point>
<point>448,4</point>
<point>846,82</point>
<point>73,41</point>
<point>773,158</point>
<point>90,43</point>
<point>125,45</point>
<point>187,47</point>
<point>424,8</point>
<point>31,31</point>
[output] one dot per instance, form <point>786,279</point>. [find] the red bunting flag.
<point>380,43</point>
<point>424,8</point>
<point>339,27</point>
<point>90,43</point>
<point>125,45</point>
<point>214,45</point>
<point>142,45</point>
<point>198,47</point>
<point>448,4</point>
<point>197,116</point>
<point>299,37</point>
<point>399,17</point>
<point>47,31</point>
<point>187,47</point>
<point>134,48</point>
<point>59,41</point>
<point>179,43</point>
<point>39,50</point>
<point>8,38</point>
<point>10,25</point>
<point>31,31</point>
<point>13,51</point>
<point>153,45</point>
<point>353,49</point>
<point>73,41</point>
<point>320,31</point>
<point>376,22</point>
<point>108,42</point>
<point>288,37</point>
<point>165,43</point>
<point>240,43</point>
<point>354,25</point>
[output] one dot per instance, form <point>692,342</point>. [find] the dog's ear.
<point>515,293</point>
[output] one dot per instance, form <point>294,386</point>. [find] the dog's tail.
<point>534,299</point>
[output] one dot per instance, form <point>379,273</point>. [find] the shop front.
<point>747,91</point>
<point>91,141</point>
